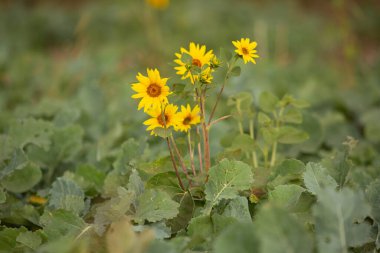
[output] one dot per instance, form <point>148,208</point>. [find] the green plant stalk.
<point>229,68</point>
<point>175,165</point>
<point>206,144</point>
<point>184,169</point>
<point>252,134</point>
<point>274,147</point>
<point>191,152</point>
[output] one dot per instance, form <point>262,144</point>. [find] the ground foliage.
<point>79,173</point>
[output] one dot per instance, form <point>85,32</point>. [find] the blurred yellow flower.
<point>152,90</point>
<point>162,119</point>
<point>37,200</point>
<point>188,117</point>
<point>158,4</point>
<point>246,50</point>
<point>198,57</point>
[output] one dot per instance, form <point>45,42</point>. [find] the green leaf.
<point>291,135</point>
<point>126,159</point>
<point>238,237</point>
<point>243,142</point>
<point>339,220</point>
<point>113,210</point>
<point>316,178</point>
<point>235,71</point>
<point>60,223</point>
<point>8,238</point>
<point>373,195</point>
<point>268,102</point>
<point>280,232</point>
<point>162,132</point>
<point>288,170</point>
<point>264,119</point>
<point>166,181</point>
<point>155,205</point>
<point>225,181</point>
<point>26,131</point>
<point>238,209</point>
<point>30,239</point>
<point>185,213</point>
<point>338,166</point>
<point>135,183</point>
<point>66,194</point>
<point>90,178</point>
<point>23,178</point>
<point>286,196</point>
<point>292,115</point>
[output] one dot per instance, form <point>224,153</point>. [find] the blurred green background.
<point>77,59</point>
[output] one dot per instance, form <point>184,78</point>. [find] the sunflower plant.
<point>197,66</point>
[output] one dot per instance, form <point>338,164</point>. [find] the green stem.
<point>191,152</point>
<point>175,165</point>
<point>252,134</point>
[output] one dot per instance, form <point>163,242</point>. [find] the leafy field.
<point>267,145</point>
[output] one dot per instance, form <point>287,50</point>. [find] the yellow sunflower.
<point>160,119</point>
<point>152,90</point>
<point>188,117</point>
<point>198,57</point>
<point>158,4</point>
<point>246,50</point>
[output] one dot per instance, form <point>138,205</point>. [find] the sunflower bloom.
<point>158,4</point>
<point>152,90</point>
<point>162,119</point>
<point>246,50</point>
<point>188,117</point>
<point>198,57</point>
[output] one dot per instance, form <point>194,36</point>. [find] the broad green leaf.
<point>113,181</point>
<point>23,178</point>
<point>280,232</point>
<point>201,228</point>
<point>18,160</point>
<point>339,220</point>
<point>66,143</point>
<point>244,143</point>
<point>291,135</point>
<point>113,210</point>
<point>135,184</point>
<point>286,196</point>
<point>185,213</point>
<point>166,181</point>
<point>371,125</point>
<point>225,181</point>
<point>373,195</point>
<point>8,238</point>
<point>59,223</point>
<point>292,115</point>
<point>268,102</point>
<point>238,208</point>
<point>160,246</point>
<point>288,170</point>
<point>26,131</point>
<point>238,237</point>
<point>90,178</point>
<point>264,119</point>
<point>126,159</point>
<point>66,194</point>
<point>316,178</point>
<point>338,166</point>
<point>155,205</point>
<point>30,239</point>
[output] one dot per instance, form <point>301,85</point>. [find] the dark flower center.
<point>187,120</point>
<point>245,51</point>
<point>153,90</point>
<point>161,121</point>
<point>197,62</point>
